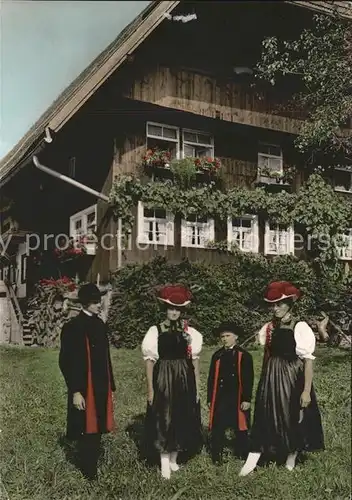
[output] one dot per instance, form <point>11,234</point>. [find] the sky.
<point>44,45</point>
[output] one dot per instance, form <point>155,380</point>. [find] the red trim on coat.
<point>213,397</point>
<point>91,414</point>
<point>242,422</point>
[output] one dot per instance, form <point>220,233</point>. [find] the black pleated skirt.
<point>173,421</point>
<point>280,426</point>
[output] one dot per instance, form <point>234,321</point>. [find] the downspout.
<point>64,178</point>
<point>87,189</point>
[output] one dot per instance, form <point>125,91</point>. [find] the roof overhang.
<point>343,8</point>
<point>87,83</point>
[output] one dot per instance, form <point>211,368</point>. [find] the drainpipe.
<point>102,196</point>
<point>64,178</point>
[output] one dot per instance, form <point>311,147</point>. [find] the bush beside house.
<point>231,291</point>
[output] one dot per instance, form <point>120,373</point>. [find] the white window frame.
<point>342,190</point>
<point>269,156</point>
<point>291,240</point>
<point>170,227</point>
<point>254,232</point>
<point>344,249</point>
<point>190,131</point>
<point>166,139</point>
<point>185,225</point>
<point>90,246</point>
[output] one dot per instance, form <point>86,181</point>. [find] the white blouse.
<point>150,343</point>
<point>304,337</point>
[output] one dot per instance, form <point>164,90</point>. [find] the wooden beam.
<point>115,60</point>
<point>202,95</point>
<point>235,115</point>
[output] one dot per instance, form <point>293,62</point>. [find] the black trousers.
<point>218,439</point>
<point>89,446</point>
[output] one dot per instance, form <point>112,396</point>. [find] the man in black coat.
<point>85,363</point>
<point>230,386</point>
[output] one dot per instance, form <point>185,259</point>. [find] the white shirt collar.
<point>87,312</point>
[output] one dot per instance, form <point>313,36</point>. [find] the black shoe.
<point>93,477</point>
<point>217,459</point>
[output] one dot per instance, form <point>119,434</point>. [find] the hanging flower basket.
<point>157,158</point>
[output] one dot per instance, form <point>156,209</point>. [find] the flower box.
<point>74,250</point>
<point>157,158</point>
<point>207,165</point>
<point>269,176</point>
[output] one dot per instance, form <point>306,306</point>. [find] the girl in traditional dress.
<point>171,352</point>
<point>286,416</point>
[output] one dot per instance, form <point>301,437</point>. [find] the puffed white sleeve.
<point>150,344</point>
<point>305,340</point>
<point>196,342</point>
<point>261,335</point>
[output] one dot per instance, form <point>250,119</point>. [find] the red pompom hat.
<point>280,290</point>
<point>175,295</point>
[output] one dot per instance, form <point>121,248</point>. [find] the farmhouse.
<point>175,84</point>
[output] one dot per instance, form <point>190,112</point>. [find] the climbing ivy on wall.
<point>319,211</point>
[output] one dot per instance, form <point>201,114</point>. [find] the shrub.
<point>230,291</point>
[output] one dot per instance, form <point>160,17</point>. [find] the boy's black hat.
<point>229,326</point>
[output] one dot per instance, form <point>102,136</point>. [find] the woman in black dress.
<point>171,352</point>
<point>286,416</point>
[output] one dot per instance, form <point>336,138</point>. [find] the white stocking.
<point>291,461</point>
<point>165,465</point>
<point>173,465</point>
<point>250,464</point>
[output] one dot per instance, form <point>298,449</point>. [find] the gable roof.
<point>79,91</point>
<point>76,94</point>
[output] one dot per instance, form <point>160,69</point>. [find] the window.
<point>279,239</point>
<point>84,223</point>
<point>164,137</point>
<point>197,231</point>
<point>345,251</point>
<point>72,167</point>
<point>155,226</point>
<point>269,160</point>
<point>197,144</point>
<point>343,179</point>
<point>243,232</point>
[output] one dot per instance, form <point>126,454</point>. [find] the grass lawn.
<point>34,465</point>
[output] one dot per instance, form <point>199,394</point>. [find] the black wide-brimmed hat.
<point>89,293</point>
<point>229,326</point>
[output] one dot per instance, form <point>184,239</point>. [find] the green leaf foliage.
<point>319,211</point>
<point>230,291</point>
<point>319,64</point>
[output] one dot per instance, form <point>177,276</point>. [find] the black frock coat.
<point>82,336</point>
<point>230,383</point>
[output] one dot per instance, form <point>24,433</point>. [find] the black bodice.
<point>283,344</point>
<point>172,345</point>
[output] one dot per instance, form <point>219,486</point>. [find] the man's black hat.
<point>89,293</point>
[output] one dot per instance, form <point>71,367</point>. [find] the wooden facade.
<point>182,75</point>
